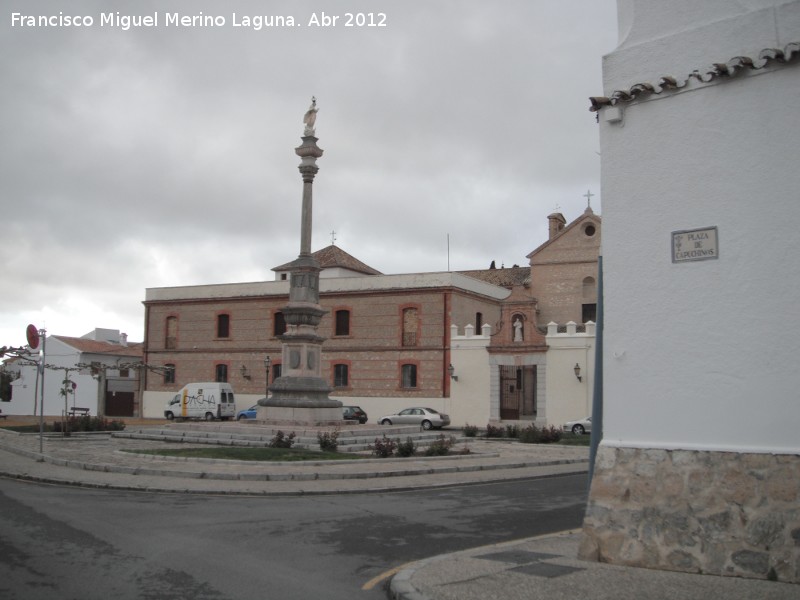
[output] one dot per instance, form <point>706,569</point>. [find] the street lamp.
<point>267,364</point>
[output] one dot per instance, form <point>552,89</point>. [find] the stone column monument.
<point>300,395</point>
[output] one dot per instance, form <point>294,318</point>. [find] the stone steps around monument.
<point>352,438</point>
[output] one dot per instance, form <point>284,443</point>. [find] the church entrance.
<point>517,392</point>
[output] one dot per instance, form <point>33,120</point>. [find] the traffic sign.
<point>33,336</point>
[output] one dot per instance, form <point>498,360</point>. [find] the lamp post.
<point>267,364</point>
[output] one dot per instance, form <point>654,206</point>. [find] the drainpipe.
<point>143,372</point>
<point>446,358</point>
<point>597,400</point>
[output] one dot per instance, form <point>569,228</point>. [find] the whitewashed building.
<point>119,397</point>
<point>699,468</point>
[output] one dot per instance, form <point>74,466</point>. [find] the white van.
<point>204,400</point>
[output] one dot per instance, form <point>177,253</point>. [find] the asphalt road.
<point>64,543</point>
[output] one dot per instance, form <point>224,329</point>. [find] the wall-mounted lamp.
<point>244,372</point>
<point>577,370</point>
<point>451,369</point>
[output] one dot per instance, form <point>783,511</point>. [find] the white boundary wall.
<point>569,399</point>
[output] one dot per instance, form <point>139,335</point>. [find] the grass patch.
<point>253,454</point>
<point>570,439</point>
<point>74,424</point>
<point>27,428</point>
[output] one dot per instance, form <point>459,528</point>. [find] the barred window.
<point>223,326</point>
<point>342,322</point>
<point>278,324</point>
<point>410,326</point>
<point>340,376</point>
<point>171,335</point>
<point>409,376</point>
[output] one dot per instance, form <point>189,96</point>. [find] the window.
<point>221,373</point>
<point>589,313</point>
<point>278,324</point>
<point>169,373</point>
<point>410,325</point>
<point>276,371</point>
<point>408,376</point>
<point>478,323</point>
<point>340,376</point>
<point>223,326</point>
<point>171,335</point>
<point>589,296</point>
<point>342,322</point>
<point>125,373</point>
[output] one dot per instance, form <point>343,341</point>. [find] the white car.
<point>426,418</point>
<point>580,426</point>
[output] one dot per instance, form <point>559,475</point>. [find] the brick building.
<point>388,337</point>
<point>564,270</point>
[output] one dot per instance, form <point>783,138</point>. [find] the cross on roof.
<point>333,237</point>
<point>588,195</point>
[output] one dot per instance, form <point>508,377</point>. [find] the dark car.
<point>354,413</point>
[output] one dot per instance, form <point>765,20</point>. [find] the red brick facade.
<point>564,272</point>
<point>374,350</point>
<point>390,320</point>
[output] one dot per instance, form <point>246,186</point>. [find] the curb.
<point>260,493</point>
<point>401,587</point>
<point>315,476</point>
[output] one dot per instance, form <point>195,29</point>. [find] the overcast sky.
<point>164,156</point>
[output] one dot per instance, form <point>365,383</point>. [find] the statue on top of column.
<point>310,117</point>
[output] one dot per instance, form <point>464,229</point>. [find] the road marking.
<point>385,575</point>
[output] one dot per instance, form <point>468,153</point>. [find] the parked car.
<point>247,413</point>
<point>580,426</point>
<point>354,413</point>
<point>426,418</point>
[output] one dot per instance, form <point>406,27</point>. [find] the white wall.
<point>568,398</point>
<point>469,395</point>
<point>702,354</point>
<point>24,388</point>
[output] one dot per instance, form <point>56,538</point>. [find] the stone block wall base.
<point>721,513</point>
<point>296,416</point>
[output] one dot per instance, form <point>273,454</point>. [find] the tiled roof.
<point>333,257</point>
<point>735,66</point>
<point>99,347</point>
<point>502,277</point>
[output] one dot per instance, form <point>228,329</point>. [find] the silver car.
<point>580,426</point>
<point>427,418</point>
